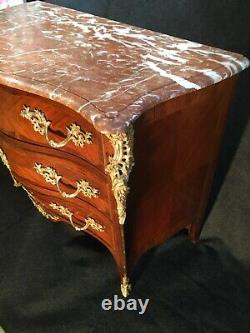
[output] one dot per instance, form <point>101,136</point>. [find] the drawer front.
<point>81,218</point>
<point>34,119</point>
<point>71,179</point>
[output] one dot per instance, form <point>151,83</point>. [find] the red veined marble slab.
<point>107,71</point>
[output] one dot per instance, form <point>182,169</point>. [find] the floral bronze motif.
<point>125,286</point>
<point>51,176</point>
<point>63,210</point>
<point>119,168</point>
<point>90,222</point>
<point>41,125</point>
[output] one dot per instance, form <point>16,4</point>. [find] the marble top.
<point>107,71</point>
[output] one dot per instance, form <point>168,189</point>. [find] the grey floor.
<point>229,219</point>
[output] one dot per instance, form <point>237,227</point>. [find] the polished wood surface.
<point>12,102</point>
<point>24,157</point>
<point>176,148</point>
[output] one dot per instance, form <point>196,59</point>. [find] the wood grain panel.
<point>80,213</point>
<point>23,158</point>
<point>13,124</point>
<point>175,154</point>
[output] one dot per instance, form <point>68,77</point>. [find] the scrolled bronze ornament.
<point>89,221</point>
<point>119,168</point>
<point>41,125</point>
<point>51,176</point>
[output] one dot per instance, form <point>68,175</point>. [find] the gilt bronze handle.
<point>89,221</point>
<point>41,125</point>
<point>51,176</point>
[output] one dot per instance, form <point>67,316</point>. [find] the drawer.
<point>58,174</point>
<point>82,218</point>
<point>37,120</point>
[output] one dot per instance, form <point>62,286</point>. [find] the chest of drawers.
<point>112,129</point>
